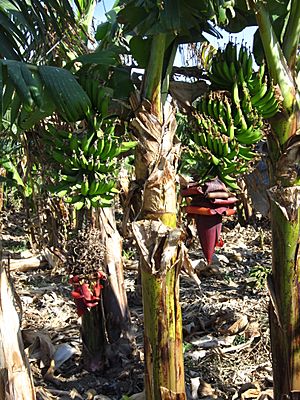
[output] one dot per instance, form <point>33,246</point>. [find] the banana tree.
<point>277,41</point>
<point>31,92</point>
<point>157,28</point>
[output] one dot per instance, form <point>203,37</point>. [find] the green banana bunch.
<point>87,166</point>
<point>99,95</point>
<point>230,69</point>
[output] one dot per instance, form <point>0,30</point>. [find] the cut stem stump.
<point>16,382</point>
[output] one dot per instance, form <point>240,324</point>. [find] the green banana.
<point>246,98</point>
<point>126,146</point>
<point>269,107</point>
<point>105,187</point>
<point>100,145</point>
<point>85,186</point>
<point>74,199</point>
<point>246,153</point>
<point>239,118</point>
<point>104,168</point>
<point>230,132</point>
<point>215,145</point>
<point>74,144</point>
<point>107,147</point>
<point>235,93</point>
<point>249,66</point>
<point>240,76</point>
<point>210,107</point>
<point>209,141</point>
<point>226,71</point>
<point>215,160</point>
<point>228,111</point>
<point>249,136</point>
<point>269,96</point>
<point>271,113</point>
<point>78,205</point>
<point>223,127</point>
<point>75,160</point>
<point>260,94</point>
<point>83,161</point>
<point>230,170</point>
<point>92,149</point>
<point>93,187</point>
<point>70,178</point>
<point>86,142</point>
<point>220,149</point>
<point>59,156</point>
<point>228,180</point>
<point>233,72</point>
<point>91,163</point>
<point>215,107</point>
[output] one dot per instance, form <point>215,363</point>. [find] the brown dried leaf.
<point>40,348</point>
<point>249,390</point>
<point>266,395</point>
<point>252,330</point>
<point>206,390</point>
<point>238,326</point>
<point>250,394</point>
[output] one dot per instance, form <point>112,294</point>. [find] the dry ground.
<point>225,324</point>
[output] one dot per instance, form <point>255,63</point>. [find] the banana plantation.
<point>149,212</point>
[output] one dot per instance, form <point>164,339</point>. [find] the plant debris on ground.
<point>225,323</point>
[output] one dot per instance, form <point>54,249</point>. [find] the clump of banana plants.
<point>87,165</point>
<point>226,123</point>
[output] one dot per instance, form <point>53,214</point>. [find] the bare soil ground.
<point>225,324</point>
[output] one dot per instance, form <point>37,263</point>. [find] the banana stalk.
<point>292,35</point>
<point>156,164</point>
<point>152,85</point>
<point>276,60</point>
<point>285,211</point>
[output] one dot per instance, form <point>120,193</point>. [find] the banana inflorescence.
<point>87,166</point>
<point>228,121</point>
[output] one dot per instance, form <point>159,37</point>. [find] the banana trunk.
<point>285,300</point>
<point>159,242</point>
<point>103,325</point>
<point>16,381</point>
<point>284,285</point>
<point>284,150</point>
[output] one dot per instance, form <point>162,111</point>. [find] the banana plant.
<point>277,42</point>
<point>43,83</point>
<point>157,28</point>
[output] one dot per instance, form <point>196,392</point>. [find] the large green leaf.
<point>121,83</point>
<point>29,94</point>
<point>29,29</point>
<point>171,16</point>
<point>71,100</point>
<point>140,49</point>
<point>104,57</point>
<point>15,75</point>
